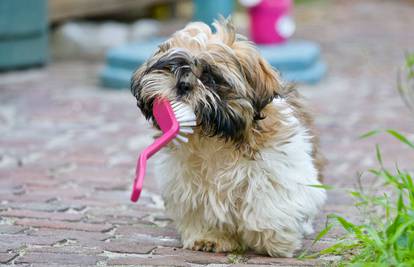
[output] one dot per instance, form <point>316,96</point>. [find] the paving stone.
<point>7,257</point>
<point>68,148</point>
<point>122,212</point>
<point>15,241</point>
<point>127,247</point>
<point>84,238</point>
<point>66,247</point>
<point>150,229</point>
<point>59,216</point>
<point>64,225</point>
<point>11,229</point>
<point>57,258</point>
<point>196,257</point>
<point>150,261</point>
<point>149,235</point>
<point>43,206</point>
<point>53,265</point>
<point>281,261</point>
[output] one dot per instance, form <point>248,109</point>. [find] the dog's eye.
<point>212,78</point>
<point>207,78</point>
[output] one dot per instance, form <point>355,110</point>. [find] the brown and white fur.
<point>244,180</point>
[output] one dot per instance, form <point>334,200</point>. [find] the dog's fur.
<point>244,178</point>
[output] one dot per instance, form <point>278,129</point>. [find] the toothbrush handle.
<point>142,161</point>
<point>139,177</point>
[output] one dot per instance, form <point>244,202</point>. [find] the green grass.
<point>405,84</point>
<point>386,236</point>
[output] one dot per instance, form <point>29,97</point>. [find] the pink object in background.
<point>270,20</point>
<point>164,115</point>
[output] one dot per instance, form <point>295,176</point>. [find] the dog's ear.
<point>136,90</point>
<point>262,78</point>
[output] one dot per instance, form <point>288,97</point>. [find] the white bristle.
<point>188,116</point>
<point>182,138</point>
<point>186,119</point>
<point>186,130</point>
<point>188,123</point>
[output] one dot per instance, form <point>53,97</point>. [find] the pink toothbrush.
<point>174,119</point>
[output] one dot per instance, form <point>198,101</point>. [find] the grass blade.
<point>379,156</point>
<point>401,137</point>
<point>323,186</point>
<point>322,233</point>
<point>369,134</point>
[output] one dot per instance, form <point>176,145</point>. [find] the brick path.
<point>68,147</point>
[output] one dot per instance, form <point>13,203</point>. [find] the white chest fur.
<point>213,186</point>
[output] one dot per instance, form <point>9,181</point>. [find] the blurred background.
<point>70,131</point>
<point>125,33</point>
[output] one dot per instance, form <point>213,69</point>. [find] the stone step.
<point>297,61</point>
<point>292,55</point>
<point>119,78</point>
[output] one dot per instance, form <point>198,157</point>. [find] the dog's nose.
<point>185,81</point>
<point>183,87</point>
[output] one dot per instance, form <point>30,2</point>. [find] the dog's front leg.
<point>198,234</point>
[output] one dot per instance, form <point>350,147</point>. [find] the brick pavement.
<point>68,147</point>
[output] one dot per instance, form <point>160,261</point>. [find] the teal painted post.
<point>209,10</point>
<point>23,33</point>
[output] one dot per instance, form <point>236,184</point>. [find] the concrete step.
<point>297,61</point>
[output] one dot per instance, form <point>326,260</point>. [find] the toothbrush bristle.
<point>186,130</point>
<point>186,118</point>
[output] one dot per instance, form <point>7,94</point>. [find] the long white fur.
<point>214,194</point>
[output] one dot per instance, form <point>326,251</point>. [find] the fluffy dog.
<point>243,181</point>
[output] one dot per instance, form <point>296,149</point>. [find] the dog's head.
<point>220,75</point>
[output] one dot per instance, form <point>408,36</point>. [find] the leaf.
<point>400,230</point>
<point>408,181</point>
<point>339,248</point>
<point>391,179</point>
<point>387,207</point>
<point>348,226</point>
<point>375,172</point>
<point>409,60</point>
<point>323,186</point>
<point>357,194</point>
<point>400,203</point>
<point>322,233</point>
<point>400,137</point>
<point>376,238</point>
<point>369,134</point>
<point>304,255</point>
<point>378,153</point>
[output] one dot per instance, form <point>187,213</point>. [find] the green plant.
<point>386,235</point>
<point>406,81</point>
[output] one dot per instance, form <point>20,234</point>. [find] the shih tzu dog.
<point>245,178</point>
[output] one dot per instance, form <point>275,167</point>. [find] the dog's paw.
<point>215,245</point>
<point>205,245</point>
